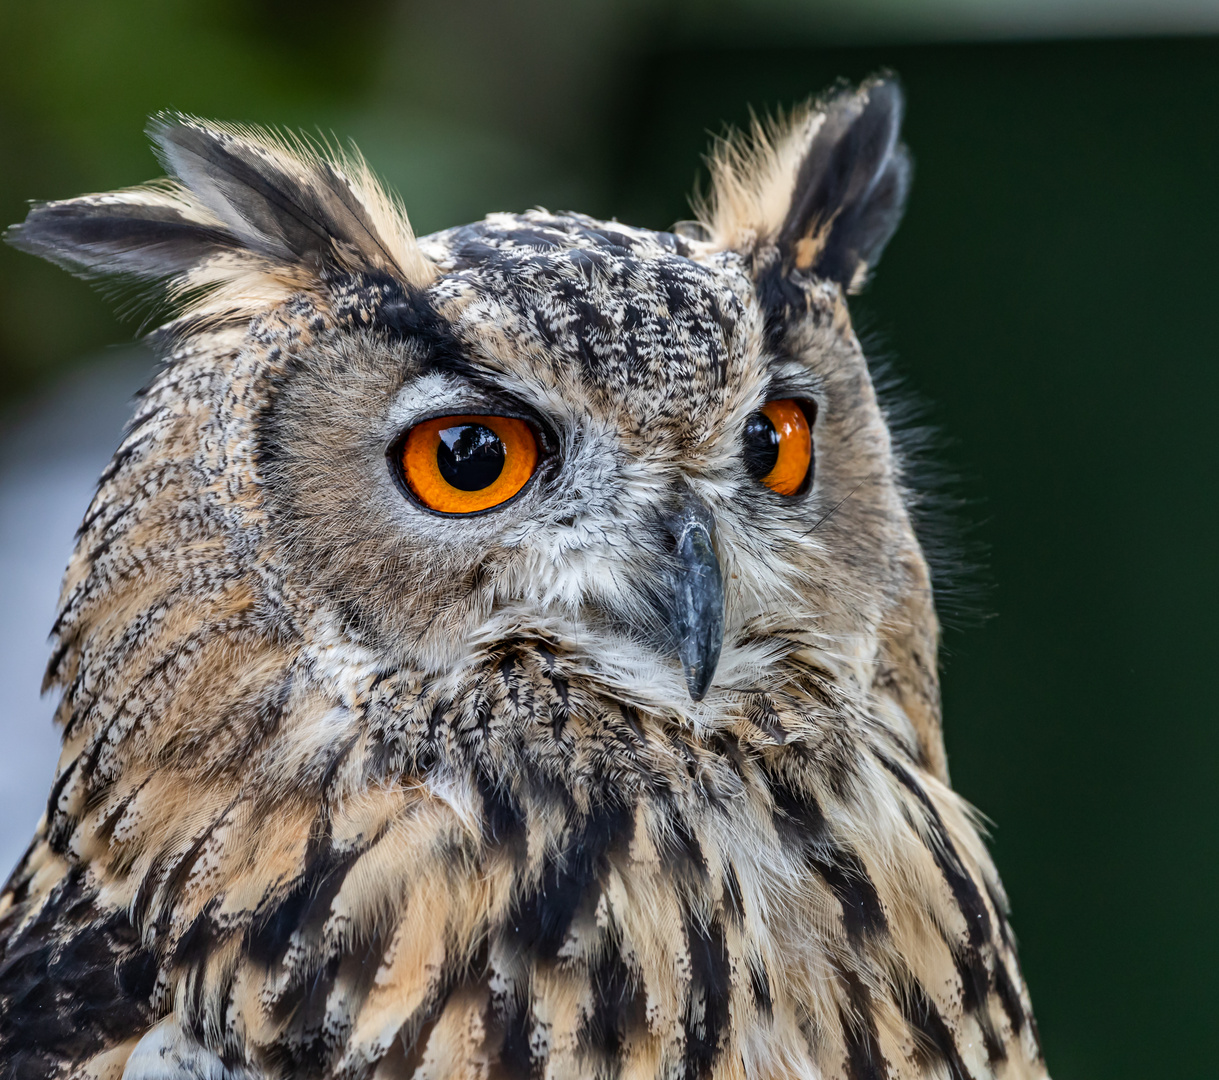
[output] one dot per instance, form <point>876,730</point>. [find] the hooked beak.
<point>698,597</point>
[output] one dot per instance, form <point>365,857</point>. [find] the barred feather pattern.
<point>492,871</point>
<point>329,807</point>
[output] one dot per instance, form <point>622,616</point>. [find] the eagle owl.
<point>503,653</point>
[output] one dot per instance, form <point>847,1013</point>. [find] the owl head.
<point>657,456</point>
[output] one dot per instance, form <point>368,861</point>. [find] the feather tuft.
<point>824,185</point>
<point>247,218</point>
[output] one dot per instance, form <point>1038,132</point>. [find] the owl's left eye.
<point>779,446</point>
<point>464,464</point>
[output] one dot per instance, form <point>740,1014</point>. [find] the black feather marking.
<point>121,456</point>
<point>75,979</point>
<point>762,713</point>
<point>53,665</point>
<point>801,824</point>
<point>514,1031</point>
<point>199,940</point>
<point>307,1041</point>
<point>541,917</point>
<point>976,979</point>
<point>1009,998</point>
<point>734,905</point>
<point>975,990</point>
<point>560,707</point>
<point>300,1045</point>
<point>408,314</point>
<point>403,1059</point>
<point>305,908</point>
<point>759,984</point>
<point>844,873</point>
<point>179,874</point>
<point>682,852</point>
<point>17,887</point>
<point>331,772</point>
<point>934,1043</point>
<point>632,734</point>
<point>413,1036</point>
<point>964,888</point>
<point>865,1061</point>
<point>619,1004</point>
<point>706,1014</point>
<point>780,297</point>
<point>504,821</point>
<point>57,788</point>
<point>1000,917</point>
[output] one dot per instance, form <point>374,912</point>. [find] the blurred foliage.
<point>1048,291</point>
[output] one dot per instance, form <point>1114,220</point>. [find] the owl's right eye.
<point>465,464</point>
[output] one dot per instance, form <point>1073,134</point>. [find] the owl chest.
<point>647,933</point>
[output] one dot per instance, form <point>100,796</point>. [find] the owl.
<point>504,653</point>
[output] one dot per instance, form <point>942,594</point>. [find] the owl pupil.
<point>761,445</point>
<point>470,456</point>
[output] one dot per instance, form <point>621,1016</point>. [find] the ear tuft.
<point>247,218</point>
<point>823,189</point>
<point>149,233</point>
<point>286,200</point>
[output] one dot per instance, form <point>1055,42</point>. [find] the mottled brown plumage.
<point>351,789</point>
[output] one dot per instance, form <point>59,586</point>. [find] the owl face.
<point>657,453</point>
<point>643,526</point>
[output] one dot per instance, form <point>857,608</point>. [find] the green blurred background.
<point>1048,292</point>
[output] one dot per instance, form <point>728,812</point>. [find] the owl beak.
<point>698,601</point>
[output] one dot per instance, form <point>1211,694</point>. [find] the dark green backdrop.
<point>1053,291</point>
<point>1050,292</point>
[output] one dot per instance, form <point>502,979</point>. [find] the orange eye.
<point>779,446</point>
<point>463,464</point>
